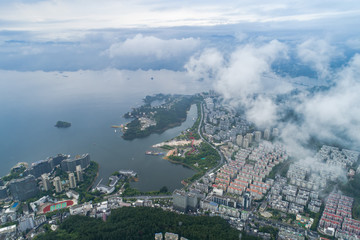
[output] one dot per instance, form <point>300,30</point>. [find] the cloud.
<point>353,43</point>
<point>153,47</point>
<point>318,54</point>
<point>205,65</point>
<point>244,77</point>
<point>241,74</point>
<point>55,15</point>
<point>248,70</point>
<point>263,112</point>
<point>335,114</point>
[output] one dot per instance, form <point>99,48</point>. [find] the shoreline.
<point>181,163</point>
<point>158,131</point>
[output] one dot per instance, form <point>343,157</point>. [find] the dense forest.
<point>142,223</point>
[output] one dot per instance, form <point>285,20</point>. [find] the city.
<point>257,187</point>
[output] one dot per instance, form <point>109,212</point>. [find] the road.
<point>149,197</point>
<point>202,138</point>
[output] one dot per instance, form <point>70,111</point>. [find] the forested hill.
<point>170,114</point>
<point>142,223</point>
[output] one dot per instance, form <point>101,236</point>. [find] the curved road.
<point>199,132</point>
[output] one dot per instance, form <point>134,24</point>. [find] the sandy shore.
<point>175,143</point>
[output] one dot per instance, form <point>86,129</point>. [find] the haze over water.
<point>28,133</point>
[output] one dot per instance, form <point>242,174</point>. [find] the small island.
<point>62,124</point>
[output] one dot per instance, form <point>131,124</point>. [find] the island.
<point>62,124</point>
<point>148,119</point>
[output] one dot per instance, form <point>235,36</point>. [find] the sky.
<point>239,48</point>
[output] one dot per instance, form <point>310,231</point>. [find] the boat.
<point>154,153</point>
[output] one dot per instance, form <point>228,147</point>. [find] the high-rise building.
<point>69,165</point>
<point>3,192</point>
<point>45,166</point>
<point>46,182</point>
<point>72,180</point>
<point>249,136</point>
<point>180,200</point>
<point>79,173</point>
<point>246,201</point>
<point>23,188</point>
<point>57,160</point>
<point>26,222</point>
<point>184,201</point>
<point>239,140</point>
<point>245,143</point>
<point>40,167</point>
<point>257,136</point>
<point>267,134</point>
<point>57,184</point>
<point>275,132</point>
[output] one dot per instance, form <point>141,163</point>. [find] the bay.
<point>27,132</point>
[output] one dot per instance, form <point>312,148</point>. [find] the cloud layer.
<point>246,79</point>
<point>91,14</point>
<point>153,47</point>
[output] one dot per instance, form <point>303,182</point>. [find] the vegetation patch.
<point>142,223</point>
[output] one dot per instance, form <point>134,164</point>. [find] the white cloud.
<point>205,65</point>
<point>248,69</point>
<point>243,74</point>
<point>317,53</point>
<point>353,43</point>
<point>335,114</point>
<point>150,46</point>
<point>263,112</point>
<point>57,15</point>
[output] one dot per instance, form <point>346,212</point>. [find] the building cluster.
<point>305,177</point>
<point>328,164</point>
<point>39,176</point>
<point>286,234</point>
<point>337,217</point>
<point>235,185</point>
<point>113,181</point>
<point>108,189</point>
<point>168,236</point>
<point>98,210</point>
<point>333,156</point>
<point>291,198</point>
<point>25,219</point>
<point>247,173</point>
<point>27,187</point>
<point>75,174</point>
<point>223,125</point>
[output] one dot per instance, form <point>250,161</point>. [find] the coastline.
<point>181,163</point>
<point>158,131</point>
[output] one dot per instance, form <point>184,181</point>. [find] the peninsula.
<point>148,119</point>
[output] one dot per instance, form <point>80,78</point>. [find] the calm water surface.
<point>27,133</point>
